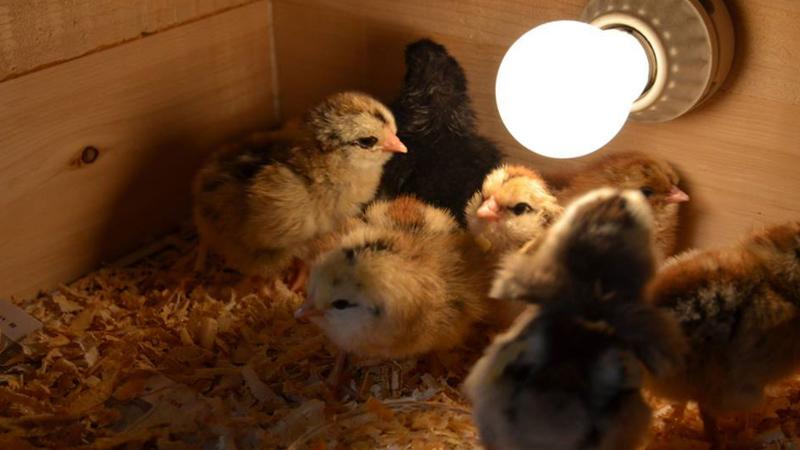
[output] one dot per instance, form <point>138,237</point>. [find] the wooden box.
<point>155,85</point>
<point>107,107</point>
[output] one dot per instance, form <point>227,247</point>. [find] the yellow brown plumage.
<point>398,285</point>
<point>513,206</point>
<point>261,200</point>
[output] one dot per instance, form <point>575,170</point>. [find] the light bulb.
<point>565,89</point>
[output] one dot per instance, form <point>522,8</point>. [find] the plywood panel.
<point>153,108</point>
<point>359,43</point>
<point>739,154</point>
<point>38,33</point>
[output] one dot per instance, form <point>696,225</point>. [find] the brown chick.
<point>260,201</point>
<point>568,374</point>
<point>655,178</point>
<point>513,207</point>
<point>739,308</point>
<point>397,286</point>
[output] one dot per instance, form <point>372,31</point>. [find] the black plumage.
<point>447,160</point>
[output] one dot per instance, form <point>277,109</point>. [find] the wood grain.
<point>739,154</point>
<point>39,33</point>
<point>153,108</point>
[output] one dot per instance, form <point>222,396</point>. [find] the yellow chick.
<point>259,202</point>
<point>656,180</point>
<point>513,206</point>
<point>397,286</point>
<point>739,308</point>
<point>568,374</point>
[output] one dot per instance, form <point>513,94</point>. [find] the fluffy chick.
<point>513,206</point>
<point>397,286</point>
<point>447,159</point>
<point>601,246</point>
<point>259,201</point>
<point>739,308</point>
<point>655,178</point>
<point>568,375</point>
<point>568,378</point>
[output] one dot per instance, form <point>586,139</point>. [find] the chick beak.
<point>676,195</point>
<point>306,311</point>
<point>488,210</point>
<point>392,144</point>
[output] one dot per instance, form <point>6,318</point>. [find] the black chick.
<point>447,160</point>
<point>569,376</point>
<point>601,246</point>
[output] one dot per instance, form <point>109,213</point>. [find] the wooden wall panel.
<point>739,154</point>
<point>359,43</point>
<point>153,108</point>
<point>39,33</point>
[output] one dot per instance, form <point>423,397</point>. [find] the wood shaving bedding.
<point>154,355</point>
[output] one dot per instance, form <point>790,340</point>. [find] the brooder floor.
<point>149,354</point>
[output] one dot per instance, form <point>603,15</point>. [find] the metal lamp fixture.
<point>565,89</point>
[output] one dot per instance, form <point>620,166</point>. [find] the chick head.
<point>513,206</point>
<point>356,126</point>
<point>370,295</point>
<point>655,179</point>
<point>434,96</point>
<point>565,379</point>
<point>603,242</point>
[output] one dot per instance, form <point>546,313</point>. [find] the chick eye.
<point>647,191</point>
<point>366,142</point>
<point>342,304</point>
<point>521,208</point>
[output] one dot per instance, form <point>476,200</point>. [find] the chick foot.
<point>337,381</point>
<point>335,377</point>
<point>298,275</point>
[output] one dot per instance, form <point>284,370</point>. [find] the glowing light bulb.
<point>565,89</point>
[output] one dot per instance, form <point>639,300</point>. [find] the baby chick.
<point>447,160</point>
<point>513,207</point>
<point>397,286</point>
<point>740,311</point>
<point>259,201</point>
<point>602,245</point>
<point>568,378</point>
<point>656,179</point>
<point>568,375</point>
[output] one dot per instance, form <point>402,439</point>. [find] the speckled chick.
<point>740,311</point>
<point>602,245</point>
<point>568,374</point>
<point>447,159</point>
<point>397,286</point>
<point>259,201</point>
<point>655,178</point>
<point>513,207</point>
